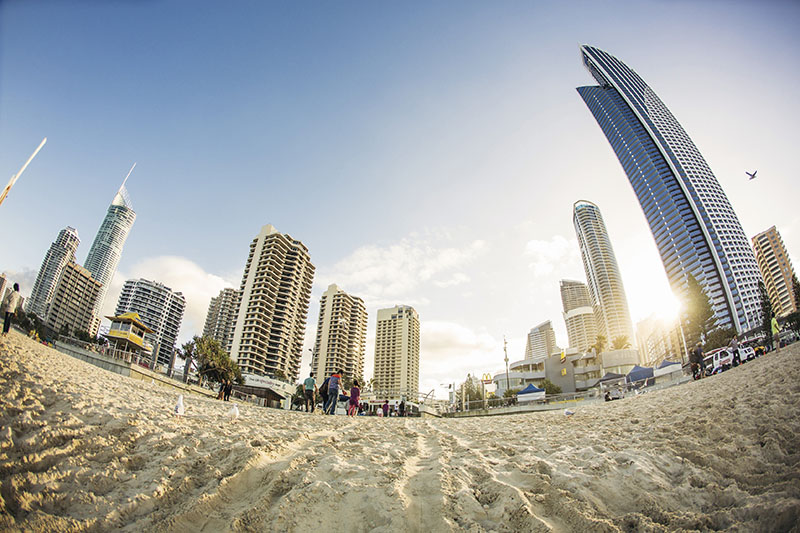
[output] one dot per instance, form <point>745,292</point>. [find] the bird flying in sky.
<point>753,175</point>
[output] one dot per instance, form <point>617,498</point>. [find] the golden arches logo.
<point>487,378</point>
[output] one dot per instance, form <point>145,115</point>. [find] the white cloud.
<point>180,275</point>
<point>456,279</point>
<point>449,351</point>
<point>383,274</point>
<point>552,255</point>
<point>25,277</point>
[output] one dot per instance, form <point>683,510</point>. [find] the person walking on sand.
<point>734,346</point>
<point>776,330</point>
<point>333,392</point>
<point>10,306</point>
<point>355,392</point>
<point>309,390</point>
<point>385,408</point>
<point>696,358</point>
<point>228,390</point>
<point>221,393</point>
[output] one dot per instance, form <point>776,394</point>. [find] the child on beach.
<point>355,392</point>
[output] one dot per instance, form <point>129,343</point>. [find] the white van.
<point>718,360</point>
<point>721,359</point>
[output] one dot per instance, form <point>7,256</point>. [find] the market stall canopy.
<point>639,373</point>
<point>531,388</point>
<point>611,376</point>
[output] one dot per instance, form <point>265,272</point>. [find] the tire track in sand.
<point>257,486</point>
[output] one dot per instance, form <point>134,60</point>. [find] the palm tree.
<point>599,344</point>
<point>620,343</point>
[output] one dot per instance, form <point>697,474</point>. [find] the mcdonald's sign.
<point>487,379</point>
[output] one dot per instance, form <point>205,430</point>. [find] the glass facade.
<point>694,226</point>
<point>106,250</point>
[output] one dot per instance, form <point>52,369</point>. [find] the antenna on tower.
<point>127,176</point>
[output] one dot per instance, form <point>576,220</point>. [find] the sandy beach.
<point>82,449</point>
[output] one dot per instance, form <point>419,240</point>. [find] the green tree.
<point>698,316</point>
<point>796,291</point>
<point>793,320</point>
<point>599,345</point>
<point>279,374</point>
<point>510,393</point>
<point>718,337</point>
<point>550,387</point>
<point>620,343</point>
<point>214,363</point>
<point>766,312</point>
<point>299,395</point>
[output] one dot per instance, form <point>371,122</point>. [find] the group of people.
<point>332,391</point>
<point>225,390</point>
<point>10,306</point>
<point>329,392</point>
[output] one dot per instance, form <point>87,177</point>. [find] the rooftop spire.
<point>122,198</point>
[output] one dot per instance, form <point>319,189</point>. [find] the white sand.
<point>82,449</point>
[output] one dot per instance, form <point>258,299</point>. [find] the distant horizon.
<point>427,155</point>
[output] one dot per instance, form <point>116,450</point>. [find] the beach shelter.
<point>666,368</point>
<point>530,393</point>
<point>610,377</point>
<point>639,373</point>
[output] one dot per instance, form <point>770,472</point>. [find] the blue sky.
<point>439,144</point>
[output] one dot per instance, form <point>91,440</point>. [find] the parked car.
<point>721,359</point>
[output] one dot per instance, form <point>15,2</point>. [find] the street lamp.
<point>505,349</point>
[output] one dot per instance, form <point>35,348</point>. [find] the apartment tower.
<point>221,317</point>
<point>159,308</point>
<point>578,314</point>
<point>61,252</point>
<point>775,266</point>
<point>397,353</point>
<point>271,321</point>
<point>106,250</point>
<point>341,340</point>
<point>73,301</point>
<point>541,341</point>
<point>693,224</point>
<point>602,272</point>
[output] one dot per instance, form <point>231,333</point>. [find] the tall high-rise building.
<point>541,341</point>
<point>61,252</point>
<point>602,272</point>
<point>341,336</point>
<point>776,268</point>
<point>159,308</point>
<point>4,284</point>
<point>221,317</point>
<point>578,314</point>
<point>659,340</point>
<point>271,321</point>
<point>692,221</point>
<point>397,353</point>
<point>106,250</point>
<point>73,300</point>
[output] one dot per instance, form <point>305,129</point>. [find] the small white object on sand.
<point>567,412</point>
<point>179,408</point>
<point>234,412</point>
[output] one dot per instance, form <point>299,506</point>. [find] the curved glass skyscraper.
<point>694,226</point>
<point>106,250</point>
<point>61,252</point>
<point>602,272</point>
